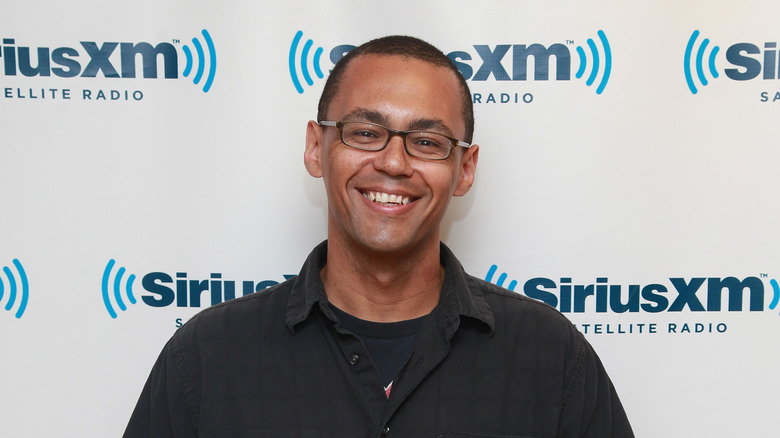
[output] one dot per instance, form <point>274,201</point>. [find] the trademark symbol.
<point>176,41</point>
<point>569,42</point>
<point>762,275</point>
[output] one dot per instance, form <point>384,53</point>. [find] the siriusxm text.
<point>750,66</point>
<point>90,59</point>
<point>697,294</point>
<point>163,290</point>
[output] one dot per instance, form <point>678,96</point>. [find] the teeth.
<point>386,198</point>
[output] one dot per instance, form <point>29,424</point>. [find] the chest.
<point>323,383</point>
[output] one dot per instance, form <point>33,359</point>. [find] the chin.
<point>384,247</point>
<point>387,242</point>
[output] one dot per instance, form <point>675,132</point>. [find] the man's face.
<point>402,94</point>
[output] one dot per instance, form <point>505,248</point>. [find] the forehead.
<point>404,90</point>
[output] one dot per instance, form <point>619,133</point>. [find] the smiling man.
<point>388,191</point>
<point>382,332</point>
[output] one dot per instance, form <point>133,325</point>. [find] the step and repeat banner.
<point>629,175</point>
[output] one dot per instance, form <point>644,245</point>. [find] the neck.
<point>383,287</point>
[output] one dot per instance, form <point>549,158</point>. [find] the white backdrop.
<point>644,183</point>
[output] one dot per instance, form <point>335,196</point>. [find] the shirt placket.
<point>356,359</point>
<point>434,340</point>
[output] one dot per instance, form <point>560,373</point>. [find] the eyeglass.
<point>373,137</point>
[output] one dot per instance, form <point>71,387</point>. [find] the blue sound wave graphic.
<point>594,54</point>
<point>303,62</point>
<point>117,289</point>
<point>501,278</point>
<point>699,62</point>
<point>776,296</point>
<point>13,289</point>
<point>201,64</point>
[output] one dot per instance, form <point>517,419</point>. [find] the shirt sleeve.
<point>166,407</point>
<point>591,406</point>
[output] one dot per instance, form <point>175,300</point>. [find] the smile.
<point>386,198</point>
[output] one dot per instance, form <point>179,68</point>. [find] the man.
<point>383,333</point>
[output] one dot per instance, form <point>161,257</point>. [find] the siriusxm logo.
<point>747,60</point>
<point>112,60</point>
<point>568,297</point>
<point>9,288</point>
<point>201,61</point>
<point>304,62</point>
<point>162,290</point>
<point>481,62</point>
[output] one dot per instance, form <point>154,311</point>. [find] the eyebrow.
<point>365,114</point>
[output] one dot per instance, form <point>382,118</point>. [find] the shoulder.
<point>249,313</point>
<point>524,319</point>
<point>513,304</point>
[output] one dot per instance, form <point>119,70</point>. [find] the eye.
<point>363,133</point>
<point>368,133</point>
<point>426,140</point>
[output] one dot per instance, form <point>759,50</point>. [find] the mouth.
<point>388,199</point>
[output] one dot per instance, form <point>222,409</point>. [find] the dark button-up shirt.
<point>487,363</point>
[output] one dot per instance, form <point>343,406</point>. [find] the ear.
<point>468,170</point>
<point>312,156</point>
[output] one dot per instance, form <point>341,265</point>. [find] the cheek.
<point>441,179</point>
<point>341,164</point>
<point>333,159</point>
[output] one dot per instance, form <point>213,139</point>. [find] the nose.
<point>393,159</point>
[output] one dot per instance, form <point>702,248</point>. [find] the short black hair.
<point>405,46</point>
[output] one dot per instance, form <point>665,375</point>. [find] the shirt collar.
<point>460,295</point>
<point>307,289</point>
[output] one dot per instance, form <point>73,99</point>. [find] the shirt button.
<point>354,359</point>
<point>386,431</point>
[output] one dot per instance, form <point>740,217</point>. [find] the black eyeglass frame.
<point>393,132</point>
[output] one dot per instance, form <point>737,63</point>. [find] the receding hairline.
<point>362,57</point>
<point>405,47</point>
